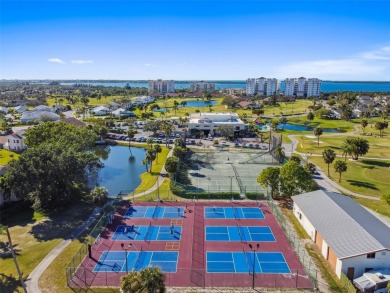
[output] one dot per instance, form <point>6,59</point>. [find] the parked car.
<point>170,140</point>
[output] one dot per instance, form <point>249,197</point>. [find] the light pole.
<point>125,249</point>
<point>252,247</point>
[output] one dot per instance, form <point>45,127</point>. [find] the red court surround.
<point>191,269</point>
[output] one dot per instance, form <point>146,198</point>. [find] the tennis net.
<point>148,232</point>
<point>247,260</point>
<point>138,261</point>
<point>236,216</point>
<point>155,212</point>
<point>242,236</point>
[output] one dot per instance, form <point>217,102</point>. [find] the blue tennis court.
<point>232,213</point>
<point>155,212</point>
<point>114,261</point>
<point>242,262</point>
<point>239,233</point>
<point>147,233</point>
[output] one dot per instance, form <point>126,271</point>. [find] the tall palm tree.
<point>340,167</point>
<point>347,148</point>
<point>4,229</point>
<point>157,149</point>
<point>318,132</point>
<point>279,153</point>
<point>328,155</point>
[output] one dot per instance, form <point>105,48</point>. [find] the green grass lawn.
<point>369,177</point>
<point>7,156</point>
<point>379,146</point>
<point>34,236</point>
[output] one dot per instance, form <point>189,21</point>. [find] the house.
<point>100,111</point>
<point>361,112</point>
<point>4,110</point>
<point>144,100</point>
<point>335,114</point>
<point>113,105</point>
<point>245,104</point>
<point>373,281</point>
<point>32,116</point>
<point>42,108</point>
<point>20,109</point>
<point>122,112</point>
<point>15,142</point>
<point>366,100</point>
<point>350,238</point>
<point>74,121</point>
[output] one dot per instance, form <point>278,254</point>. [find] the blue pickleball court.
<point>243,261</point>
<point>155,212</point>
<point>239,233</point>
<point>233,213</point>
<point>147,233</point>
<point>115,261</point>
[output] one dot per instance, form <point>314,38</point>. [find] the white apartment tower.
<point>202,86</point>
<point>272,86</point>
<point>262,86</point>
<point>302,87</point>
<point>160,86</point>
<point>313,87</point>
<point>251,86</point>
<point>289,86</point>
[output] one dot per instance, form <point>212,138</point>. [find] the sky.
<point>195,39</point>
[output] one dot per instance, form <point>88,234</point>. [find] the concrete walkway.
<point>33,278</point>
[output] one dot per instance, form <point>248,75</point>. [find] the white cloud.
<point>56,60</point>
<point>148,64</point>
<point>362,65</point>
<point>81,61</point>
<point>381,54</point>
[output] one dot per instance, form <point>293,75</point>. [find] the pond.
<point>295,127</point>
<point>119,172</point>
<point>191,104</point>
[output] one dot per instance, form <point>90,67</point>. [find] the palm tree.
<point>279,153</point>
<point>340,167</point>
<point>183,104</point>
<point>150,157</point>
<point>328,155</point>
<point>149,280</point>
<point>99,195</point>
<point>145,162</point>
<point>157,149</point>
<point>310,116</point>
<point>318,132</point>
<point>5,229</point>
<point>347,148</point>
<point>364,124</point>
<point>175,106</point>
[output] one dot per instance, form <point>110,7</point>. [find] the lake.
<point>119,172</point>
<point>191,104</point>
<point>295,127</point>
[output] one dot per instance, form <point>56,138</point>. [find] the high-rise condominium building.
<point>202,86</point>
<point>160,86</point>
<point>262,86</point>
<point>302,87</point>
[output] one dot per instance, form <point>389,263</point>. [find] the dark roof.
<point>74,121</point>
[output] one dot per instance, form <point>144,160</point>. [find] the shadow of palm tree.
<point>9,284</point>
<point>363,184</point>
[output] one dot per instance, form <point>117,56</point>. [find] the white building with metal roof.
<point>349,237</point>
